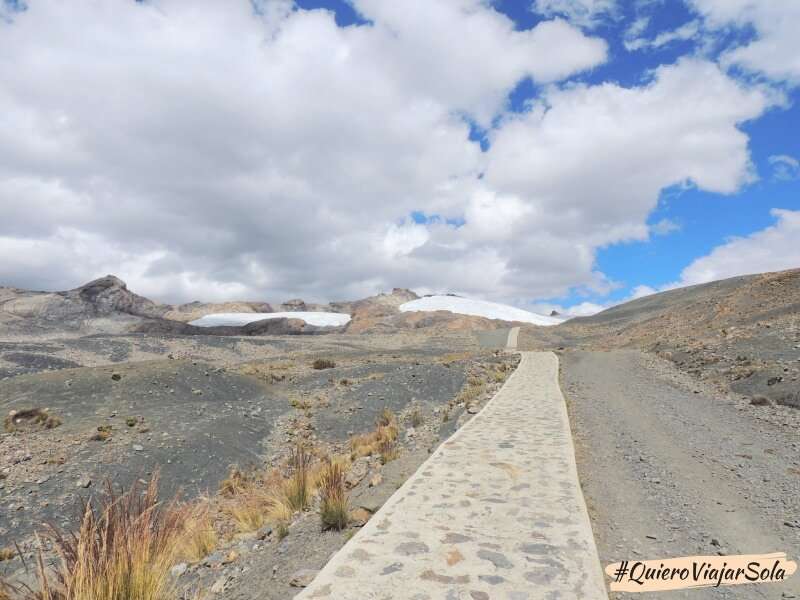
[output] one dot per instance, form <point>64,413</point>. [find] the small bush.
<point>760,400</point>
<point>31,419</point>
<point>300,403</point>
<point>415,418</point>
<point>102,434</point>
<point>131,421</point>
<point>282,529</point>
<point>7,554</point>
<point>333,497</point>
<point>323,363</point>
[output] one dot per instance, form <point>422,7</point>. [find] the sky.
<point>549,154</point>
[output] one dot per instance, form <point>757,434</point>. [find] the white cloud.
<point>586,13</point>
<point>664,227</point>
<point>200,151</point>
<point>775,51</point>
<point>687,31</point>
<point>772,249</point>
<point>591,161</point>
<point>468,56</point>
<point>784,167</point>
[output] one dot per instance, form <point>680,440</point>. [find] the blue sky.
<point>702,220</point>
<point>548,154</point>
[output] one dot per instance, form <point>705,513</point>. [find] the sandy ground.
<point>670,468</point>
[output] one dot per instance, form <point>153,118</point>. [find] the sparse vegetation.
<point>415,418</point>
<point>386,417</point>
<point>297,489</point>
<point>199,540</point>
<point>300,403</point>
<point>381,441</point>
<point>323,363</point>
<point>102,434</point>
<point>333,496</point>
<point>250,510</point>
<point>123,549</point>
<point>31,419</point>
<point>471,392</point>
<point>7,554</point>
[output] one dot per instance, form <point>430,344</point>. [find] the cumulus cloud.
<point>207,150</point>
<point>591,161</point>
<point>775,51</point>
<point>772,249</point>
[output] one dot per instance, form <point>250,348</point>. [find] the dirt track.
<point>669,472</point>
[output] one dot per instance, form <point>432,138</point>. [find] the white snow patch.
<point>478,308</point>
<point>318,319</point>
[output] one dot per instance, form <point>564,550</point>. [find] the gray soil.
<point>670,467</point>
<point>190,407</point>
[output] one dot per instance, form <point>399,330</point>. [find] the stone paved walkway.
<point>495,513</point>
<point>513,334</point>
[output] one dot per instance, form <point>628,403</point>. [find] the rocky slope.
<point>103,304</point>
<point>741,334</point>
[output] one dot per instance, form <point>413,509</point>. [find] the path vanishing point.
<point>496,512</point>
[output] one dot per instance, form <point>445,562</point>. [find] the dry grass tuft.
<point>333,497</point>
<point>250,510</point>
<point>199,538</point>
<point>415,418</point>
<point>323,363</point>
<point>301,403</point>
<point>102,434</point>
<point>31,419</point>
<point>7,553</point>
<point>123,549</point>
<point>380,441</point>
<point>471,392</point>
<point>236,482</point>
<point>386,418</point>
<point>297,489</point>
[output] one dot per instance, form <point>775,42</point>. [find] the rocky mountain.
<point>107,306</point>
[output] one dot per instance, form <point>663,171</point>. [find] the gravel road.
<point>669,470</point>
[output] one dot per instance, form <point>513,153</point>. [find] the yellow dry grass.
<point>31,418</point>
<point>199,538</point>
<point>381,441</point>
<point>123,550</point>
<point>333,497</point>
